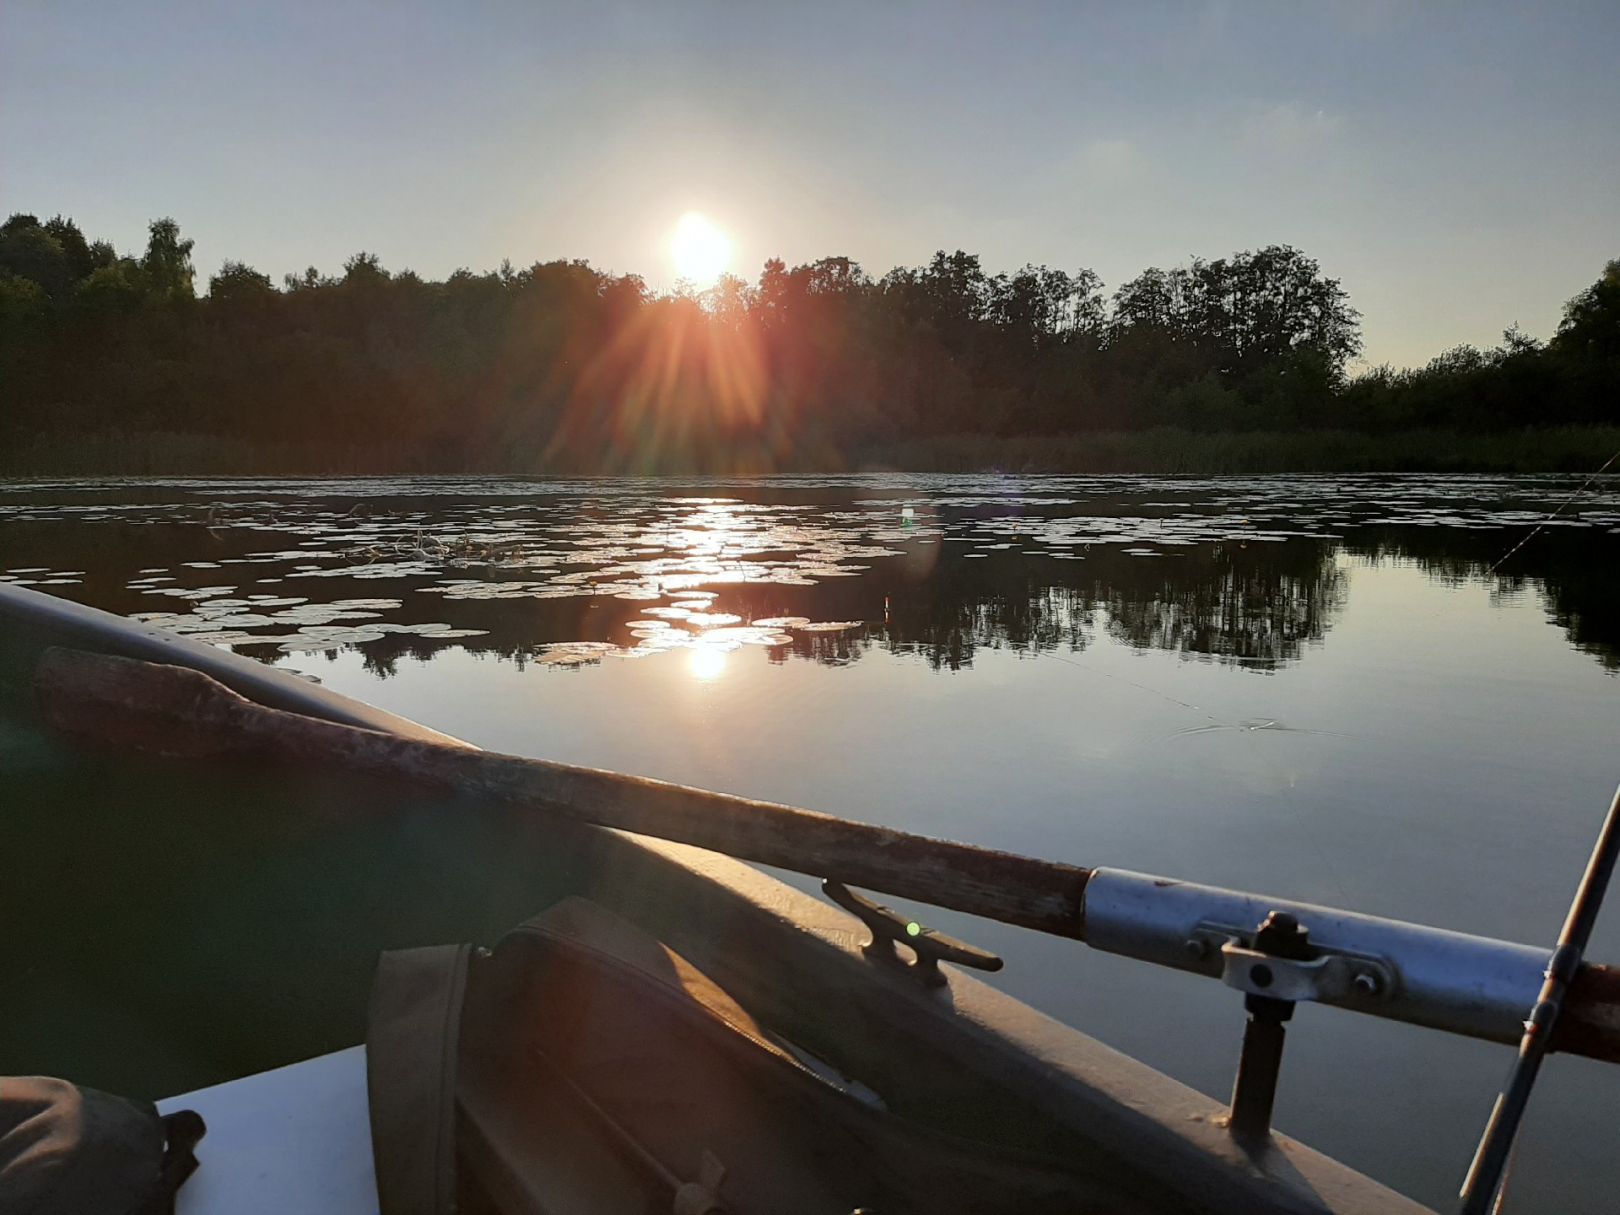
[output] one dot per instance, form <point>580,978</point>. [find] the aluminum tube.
<point>1446,980</point>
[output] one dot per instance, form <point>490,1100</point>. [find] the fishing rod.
<point>1483,1182</point>
<point>1276,952</point>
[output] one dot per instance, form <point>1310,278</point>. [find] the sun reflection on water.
<point>707,663</point>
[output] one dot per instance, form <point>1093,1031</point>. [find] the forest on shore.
<point>113,363</point>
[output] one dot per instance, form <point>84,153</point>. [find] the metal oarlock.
<point>1279,943</point>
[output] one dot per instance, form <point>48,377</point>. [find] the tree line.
<point>562,367</point>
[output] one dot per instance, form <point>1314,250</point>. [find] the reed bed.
<point>1160,450</point>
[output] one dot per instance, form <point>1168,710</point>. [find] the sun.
<point>700,251</point>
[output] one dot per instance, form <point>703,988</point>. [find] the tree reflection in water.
<point>1575,573</point>
<point>1250,573</point>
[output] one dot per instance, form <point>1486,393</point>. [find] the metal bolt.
<point>1283,935</point>
<point>1367,984</point>
<point>1195,949</point>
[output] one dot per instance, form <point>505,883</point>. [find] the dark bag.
<point>66,1150</point>
<point>584,1067</point>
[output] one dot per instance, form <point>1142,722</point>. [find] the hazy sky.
<point>1457,165</point>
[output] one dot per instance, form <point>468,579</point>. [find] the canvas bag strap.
<point>413,1028</point>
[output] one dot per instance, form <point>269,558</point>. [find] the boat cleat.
<point>889,928</point>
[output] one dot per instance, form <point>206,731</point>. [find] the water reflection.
<point>1244,572</point>
<point>706,663</point>
<point>1571,569</point>
<point>1255,609</point>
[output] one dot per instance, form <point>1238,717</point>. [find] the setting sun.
<point>700,251</point>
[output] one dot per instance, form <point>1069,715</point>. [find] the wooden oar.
<point>177,711</point>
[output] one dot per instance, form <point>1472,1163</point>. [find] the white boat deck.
<point>296,1139</point>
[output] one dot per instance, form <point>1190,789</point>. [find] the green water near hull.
<point>169,925</point>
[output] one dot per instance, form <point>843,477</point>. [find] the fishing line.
<point>1143,687</point>
<point>1564,505</point>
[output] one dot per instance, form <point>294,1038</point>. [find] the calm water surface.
<point>1321,688</point>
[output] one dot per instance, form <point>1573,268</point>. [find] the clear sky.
<point>1457,165</point>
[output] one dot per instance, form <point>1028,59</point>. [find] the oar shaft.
<point>174,710</point>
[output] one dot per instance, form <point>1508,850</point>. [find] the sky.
<point>1455,165</point>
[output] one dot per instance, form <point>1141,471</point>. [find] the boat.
<point>883,1011</point>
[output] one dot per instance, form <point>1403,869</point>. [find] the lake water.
<point>1383,693</point>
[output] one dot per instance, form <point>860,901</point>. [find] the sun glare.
<point>706,663</point>
<point>700,251</point>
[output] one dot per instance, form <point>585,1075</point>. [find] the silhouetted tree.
<point>236,284</point>
<point>168,261</point>
<point>1591,325</point>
